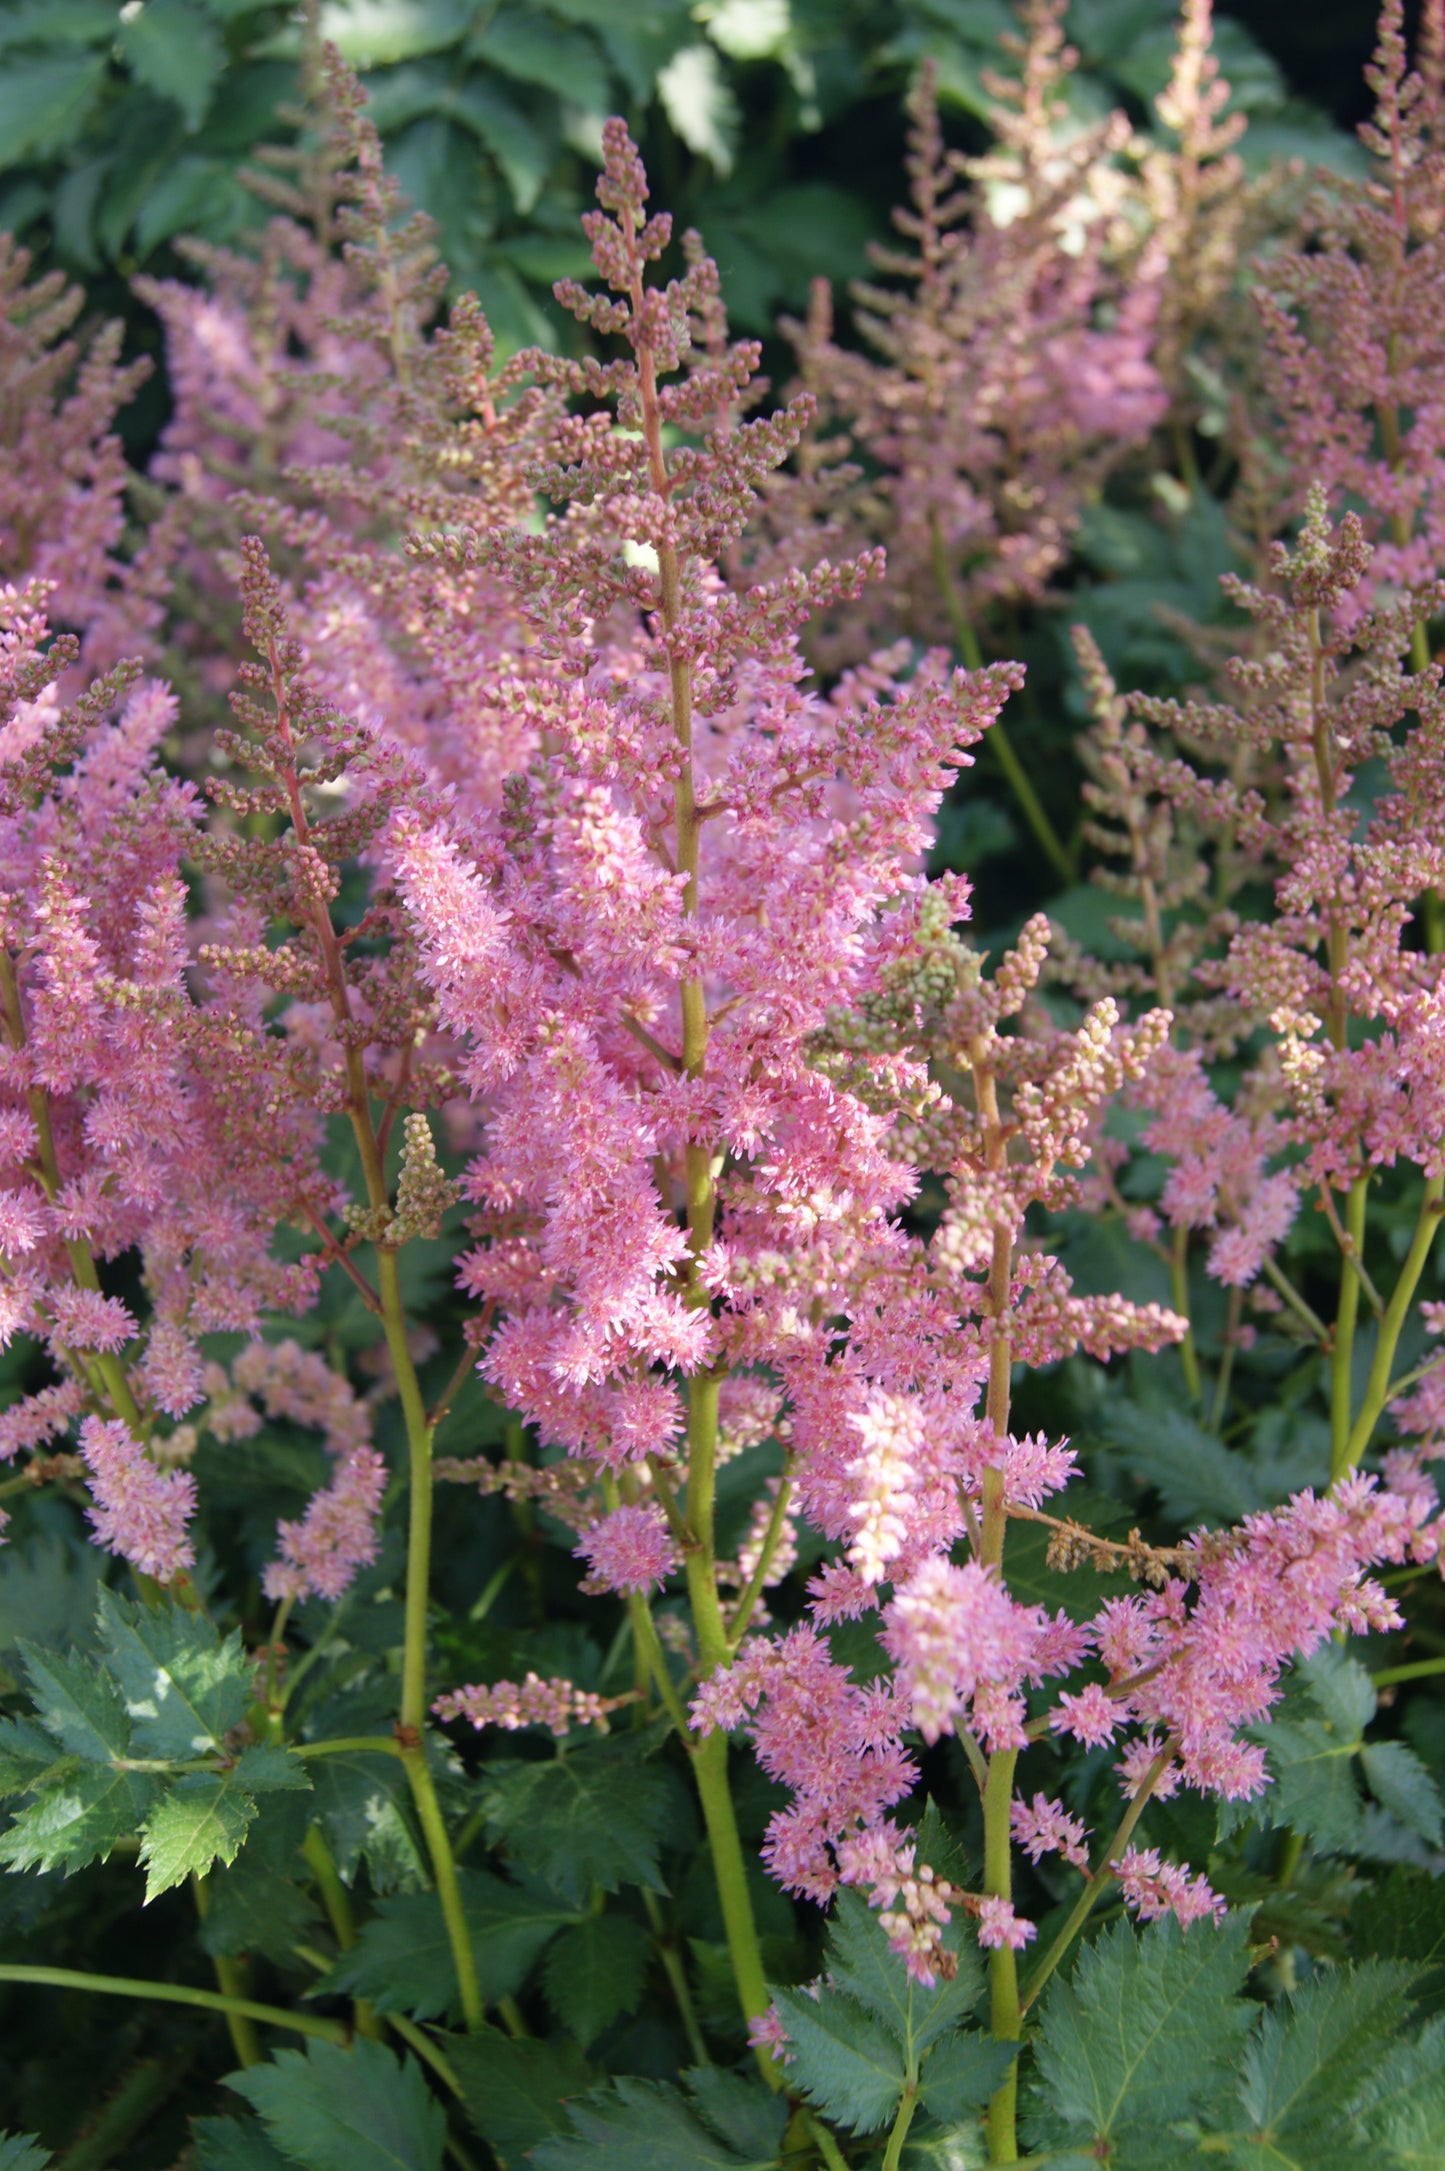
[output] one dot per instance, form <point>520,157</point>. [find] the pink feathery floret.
<point>138,1511</point>
<point>336,1537</point>
<point>629,1550</point>
<point>998,1925</point>
<point>556,1703</point>
<point>1153,1887</point>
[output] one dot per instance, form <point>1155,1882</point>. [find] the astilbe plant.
<point>537,847</point>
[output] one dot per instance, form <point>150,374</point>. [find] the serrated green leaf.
<point>1314,1787</point>
<point>1147,2030</point>
<point>642,2126</point>
<point>268,1767</point>
<point>378,33</point>
<point>516,2090</point>
<point>698,100</point>
<point>594,1972</point>
<point>1402,1917</point>
<point>363,1804</point>
<point>80,1819</point>
<point>184,1688</point>
<point>56,22</point>
<point>253,1908</point>
<point>77,1703</point>
<point>203,1819</point>
<point>1312,2055</point>
<point>1400,2111</point>
<point>45,100</point>
<point>402,1959</point>
<point>595,1817</point>
<point>1198,1479</point>
<point>234,2144</point>
<point>961,2074</point>
<point>526,44</point>
<point>1339,1688</point>
<point>176,51</point>
<point>353,2109</point>
<point>740,2108</point>
<point>843,2059</point>
<point>1400,1783</point>
<point>23,2152</point>
<point>861,1963</point>
<point>48,1590</point>
<point>513,141</point>
<point>27,1756</point>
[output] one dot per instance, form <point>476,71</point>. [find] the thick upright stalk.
<point>1342,1352</point>
<point>709,1757</point>
<point>1387,1340</point>
<point>1005,2016</point>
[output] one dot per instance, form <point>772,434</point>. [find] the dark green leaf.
<point>253,1908</point>
<point>184,1688</point>
<point>1148,2029</point>
<point>643,2126</point>
<point>739,2108</point>
<point>27,1754</point>
<point>515,2090</point>
<point>267,1767</point>
<point>1339,1688</point>
<point>1402,1917</point>
<point>78,1704</point>
<point>1400,2112</point>
<point>23,2152</point>
<point>377,33</point>
<point>175,51</point>
<point>962,2073</point>
<point>402,1960</point>
<point>362,1801</point>
<point>595,1817</point>
<point>234,2144</point>
<point>843,2059</point>
<point>1312,2055</point>
<point>47,1593</point>
<point>1198,1478</point>
<point>861,1963</point>
<point>1400,1783</point>
<point>1314,1790</point>
<point>44,102</point>
<point>56,22</point>
<point>80,1819</point>
<point>203,1819</point>
<point>357,2109</point>
<point>522,42</point>
<point>594,1972</point>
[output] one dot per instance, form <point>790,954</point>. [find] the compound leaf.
<point>354,2109</point>
<point>592,1818</point>
<point>594,1972</point>
<point>184,1688</point>
<point>203,1819</point>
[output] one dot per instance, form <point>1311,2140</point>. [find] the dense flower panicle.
<point>337,1536</point>
<point>555,1703</point>
<point>138,1511</point>
<point>1355,323</point>
<point>1152,1887</point>
<point>1000,399</point>
<point>630,1549</point>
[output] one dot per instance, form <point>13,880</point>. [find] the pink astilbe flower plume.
<point>139,1512</point>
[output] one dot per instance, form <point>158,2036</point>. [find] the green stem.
<point>1418,1669</point>
<point>1102,1878</point>
<point>1377,1386</point>
<point>710,1770</point>
<point>753,1590</point>
<point>449,1890</point>
<point>654,1658</point>
<point>130,2110</point>
<point>426,2050</point>
<point>210,2001</point>
<point>676,1973</point>
<point>1016,775</point>
<point>337,1902</point>
<point>244,2040</point>
<point>894,2151</point>
<point>1005,2012</point>
<point>349,1745</point>
<point>1343,1352</point>
<point>823,2141</point>
<point>1179,1299</point>
<point>1305,1313</point>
